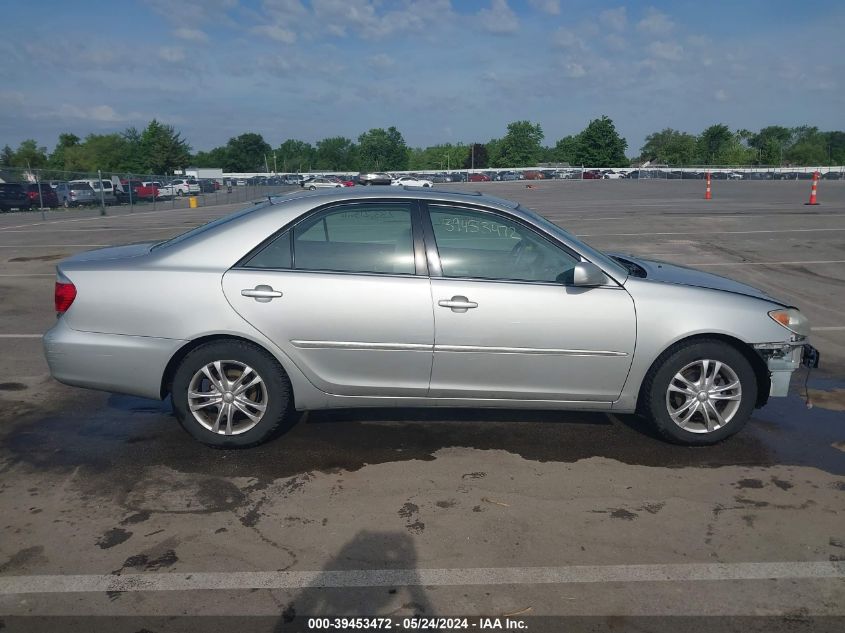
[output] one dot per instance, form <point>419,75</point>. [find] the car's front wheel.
<point>231,394</point>
<point>700,392</point>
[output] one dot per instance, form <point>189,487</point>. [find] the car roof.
<point>425,193</point>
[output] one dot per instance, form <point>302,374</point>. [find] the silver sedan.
<point>403,297</point>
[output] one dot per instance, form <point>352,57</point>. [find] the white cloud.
<point>196,10</point>
<point>721,95</point>
<point>381,60</point>
<point>172,54</point>
<point>655,22</point>
<point>97,113</point>
<point>565,38</point>
<point>499,18</point>
<point>367,19</point>
<point>191,35</point>
<point>552,7</point>
<point>616,19</point>
<point>275,32</point>
<point>285,8</point>
<point>668,51</point>
<point>616,42</point>
<point>574,70</point>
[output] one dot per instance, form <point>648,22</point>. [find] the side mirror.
<point>588,274</point>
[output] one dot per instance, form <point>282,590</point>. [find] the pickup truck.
<point>141,191</point>
<point>165,192</point>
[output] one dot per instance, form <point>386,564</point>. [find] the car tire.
<point>270,400</point>
<point>673,389</point>
<point>312,188</point>
<point>66,203</point>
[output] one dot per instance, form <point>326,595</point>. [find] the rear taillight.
<point>65,294</point>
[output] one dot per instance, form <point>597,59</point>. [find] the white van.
<point>109,196</point>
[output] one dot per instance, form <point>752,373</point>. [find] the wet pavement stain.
<point>780,483</point>
<point>145,563</point>
<point>99,435</point>
<point>407,510</point>
<point>113,537</point>
<point>12,386</point>
<point>22,558</point>
<point>138,517</point>
<point>749,483</point>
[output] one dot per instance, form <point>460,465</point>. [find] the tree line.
<point>160,149</point>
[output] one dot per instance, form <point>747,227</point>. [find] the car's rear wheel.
<point>312,188</point>
<point>700,392</point>
<point>231,394</point>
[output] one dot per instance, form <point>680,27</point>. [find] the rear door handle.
<point>458,303</point>
<point>261,293</point>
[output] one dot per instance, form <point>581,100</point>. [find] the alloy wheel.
<point>227,397</point>
<point>703,396</point>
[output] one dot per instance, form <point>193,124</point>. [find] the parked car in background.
<point>345,182</point>
<point>108,196</point>
<point>591,174</point>
<point>612,175</point>
<point>241,182</point>
<point>478,177</point>
<point>374,178</point>
<point>13,196</point>
<point>162,191</point>
<point>509,176</point>
<point>423,299</point>
<point>207,186</point>
<point>47,195</point>
<point>411,181</point>
<point>322,182</point>
<point>185,186</point>
<point>75,194</point>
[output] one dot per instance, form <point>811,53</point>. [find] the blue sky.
<point>439,70</point>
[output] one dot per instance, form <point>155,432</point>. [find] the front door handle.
<point>261,293</point>
<point>458,303</point>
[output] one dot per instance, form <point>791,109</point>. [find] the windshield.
<point>597,257</point>
<point>207,227</point>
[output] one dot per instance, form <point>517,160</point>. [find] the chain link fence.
<point>46,189</point>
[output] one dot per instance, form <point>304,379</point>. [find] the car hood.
<point>112,252</point>
<point>682,275</point>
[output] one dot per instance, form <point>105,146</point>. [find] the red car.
<point>591,175</point>
<point>344,182</point>
<point>47,195</point>
<point>478,178</point>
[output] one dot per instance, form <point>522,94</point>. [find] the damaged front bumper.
<point>782,359</point>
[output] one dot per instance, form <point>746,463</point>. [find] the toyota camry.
<point>414,297</point>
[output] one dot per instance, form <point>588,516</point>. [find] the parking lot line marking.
<point>27,274</point>
<point>828,328</point>
<point>21,335</point>
<point>173,581</point>
<point>705,232</point>
<point>817,261</point>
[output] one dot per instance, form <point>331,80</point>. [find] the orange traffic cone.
<point>813,189</point>
<point>707,194</point>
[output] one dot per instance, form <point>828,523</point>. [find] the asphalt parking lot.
<point>438,512</point>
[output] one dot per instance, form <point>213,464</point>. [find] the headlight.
<point>792,320</point>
